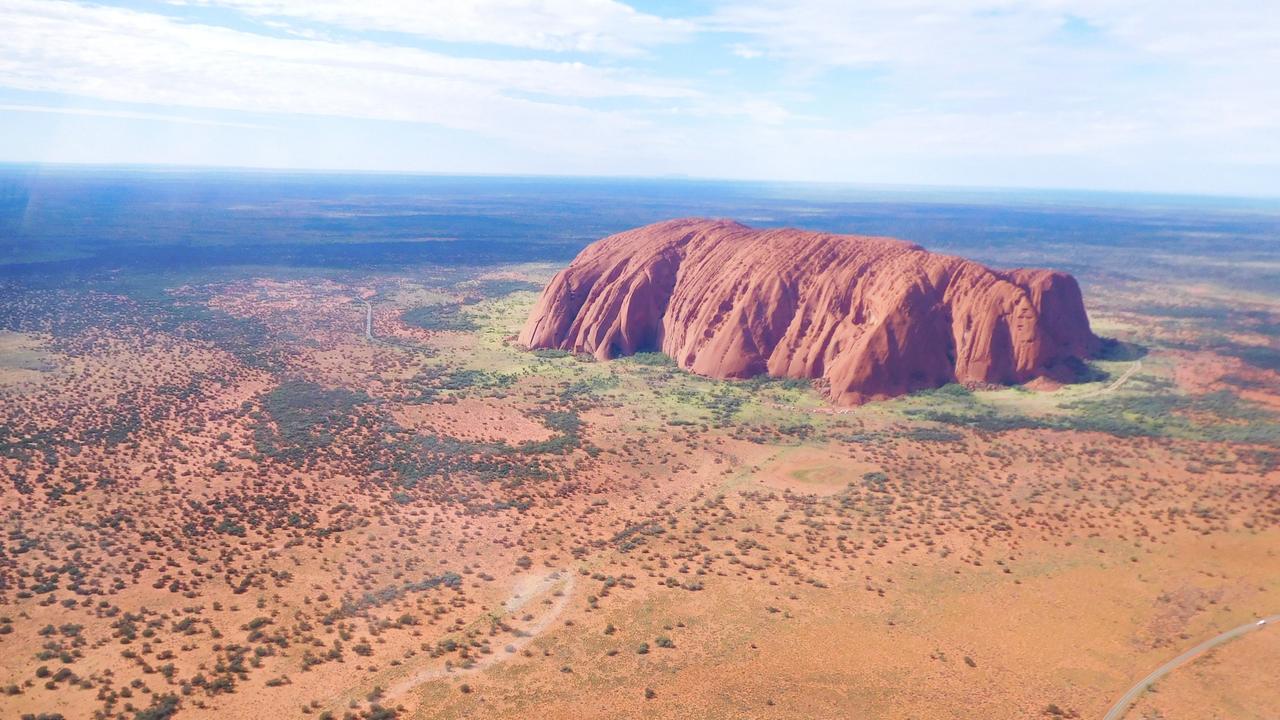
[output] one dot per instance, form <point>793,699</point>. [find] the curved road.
<point>368,331</point>
<point>1124,377</point>
<point>1122,706</point>
<point>1115,384</point>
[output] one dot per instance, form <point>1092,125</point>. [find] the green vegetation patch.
<point>652,359</point>
<point>1149,407</point>
<point>1218,415</point>
<point>450,318</point>
<point>932,434</point>
<point>435,381</point>
<point>1259,356</point>
<point>496,288</point>
<point>430,463</point>
<point>303,417</point>
<point>356,606</point>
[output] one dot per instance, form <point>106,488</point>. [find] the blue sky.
<point>1152,95</point>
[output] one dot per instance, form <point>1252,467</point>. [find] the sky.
<point>1143,95</point>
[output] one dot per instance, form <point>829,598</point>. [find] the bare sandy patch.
<point>23,358</point>
<point>1204,372</point>
<point>473,419</point>
<point>820,471</point>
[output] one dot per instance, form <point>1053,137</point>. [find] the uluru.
<point>874,317</point>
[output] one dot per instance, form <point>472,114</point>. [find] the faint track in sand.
<point>1124,378</point>
<point>525,593</point>
<point>1115,384</point>
<point>1122,706</point>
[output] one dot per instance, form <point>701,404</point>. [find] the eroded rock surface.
<point>875,317</point>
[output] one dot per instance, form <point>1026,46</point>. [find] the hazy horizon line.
<point>160,168</point>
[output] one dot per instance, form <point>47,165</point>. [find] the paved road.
<point>368,319</point>
<point>368,332</point>
<point>1120,708</point>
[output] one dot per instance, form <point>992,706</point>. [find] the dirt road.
<point>1122,706</point>
<point>526,591</point>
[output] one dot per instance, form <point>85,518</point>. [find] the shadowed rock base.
<point>875,317</point>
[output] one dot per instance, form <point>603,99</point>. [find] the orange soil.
<point>472,419</point>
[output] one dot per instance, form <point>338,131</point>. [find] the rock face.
<point>875,317</point>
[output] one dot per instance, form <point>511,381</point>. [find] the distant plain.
<point>222,499</point>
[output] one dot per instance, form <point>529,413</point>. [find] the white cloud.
<point>1080,92</point>
<point>126,115</point>
<point>134,57</point>
<point>965,33</point>
<point>605,26</point>
<point>1035,76</point>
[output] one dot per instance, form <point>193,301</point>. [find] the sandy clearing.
<point>472,419</point>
